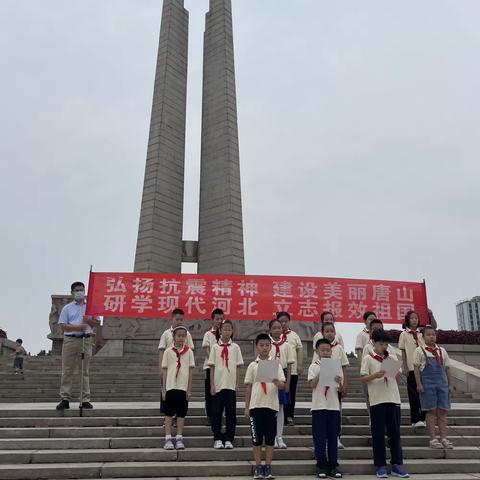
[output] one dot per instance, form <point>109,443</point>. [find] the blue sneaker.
<point>267,472</point>
<point>258,472</point>
<point>398,471</point>
<point>382,472</point>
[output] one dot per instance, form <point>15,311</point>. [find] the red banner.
<point>252,297</point>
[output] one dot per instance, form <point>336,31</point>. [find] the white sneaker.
<point>340,445</point>
<point>420,425</point>
<point>228,445</point>
<point>275,445</point>
<point>218,444</point>
<point>281,443</point>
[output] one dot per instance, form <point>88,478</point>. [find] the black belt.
<point>86,335</point>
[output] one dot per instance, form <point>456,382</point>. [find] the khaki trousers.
<point>71,363</point>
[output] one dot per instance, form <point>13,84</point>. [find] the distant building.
<point>468,314</point>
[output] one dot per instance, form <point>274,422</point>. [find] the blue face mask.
<point>79,296</point>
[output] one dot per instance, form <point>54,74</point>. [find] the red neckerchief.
<point>366,330</point>
<point>179,353</point>
<point>436,353</point>
<point>263,384</point>
<point>334,343</point>
<point>286,334</point>
<point>415,335</point>
<point>224,354</point>
<point>380,359</point>
<point>278,345</point>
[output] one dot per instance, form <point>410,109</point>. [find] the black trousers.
<point>385,418</point>
<point>208,396</point>
<point>289,408</point>
<point>416,414</point>
<point>224,400</point>
<point>325,426</point>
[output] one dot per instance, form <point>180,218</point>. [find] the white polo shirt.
<point>209,340</point>
<point>362,339</point>
<point>406,342</point>
<point>322,399</point>
<point>420,361</point>
<point>170,362</point>
<point>72,314</point>
<point>225,377</point>
<point>295,342</point>
<point>287,356</point>
<point>258,398</point>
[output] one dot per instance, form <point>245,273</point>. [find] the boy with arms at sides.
<point>18,355</point>
<point>209,340</point>
<point>364,336</point>
<point>325,414</point>
<point>261,407</point>
<point>385,416</point>
<point>177,372</point>
<point>166,341</point>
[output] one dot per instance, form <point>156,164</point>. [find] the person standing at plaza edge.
<point>77,335</point>
<point>297,368</point>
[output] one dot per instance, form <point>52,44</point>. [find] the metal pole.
<point>81,376</point>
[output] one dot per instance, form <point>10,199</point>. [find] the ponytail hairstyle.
<point>219,329</point>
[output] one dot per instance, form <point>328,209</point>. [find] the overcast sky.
<point>359,142</point>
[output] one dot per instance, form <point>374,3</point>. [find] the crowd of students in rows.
<point>271,405</point>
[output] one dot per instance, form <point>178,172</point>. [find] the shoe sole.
<point>399,476</point>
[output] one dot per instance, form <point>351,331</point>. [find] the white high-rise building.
<point>468,314</point>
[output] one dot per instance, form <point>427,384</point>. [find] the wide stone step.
<point>205,468</point>
<point>209,454</point>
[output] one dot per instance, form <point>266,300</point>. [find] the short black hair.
<point>177,311</point>
<point>262,336</point>
<point>322,341</point>
<point>427,327</point>
<point>408,316</point>
<point>271,322</point>
<point>76,284</point>
<point>324,314</point>
<point>326,324</point>
<point>216,311</point>
<point>367,314</point>
<point>376,321</point>
<point>279,315</point>
<point>19,340</point>
<point>380,336</point>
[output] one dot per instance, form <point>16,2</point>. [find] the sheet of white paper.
<point>267,371</point>
<point>329,369</point>
<point>391,367</point>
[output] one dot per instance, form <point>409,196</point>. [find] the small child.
<point>225,358</point>
<point>295,342</point>
<point>261,407</point>
<point>209,340</point>
<point>433,377</point>
<point>375,324</point>
<point>385,403</point>
<point>325,414</point>
<point>19,354</point>
<point>177,372</point>
<point>283,352</point>
<point>166,341</point>
<point>328,332</point>
<point>410,339</point>
<point>326,317</point>
<point>364,336</point>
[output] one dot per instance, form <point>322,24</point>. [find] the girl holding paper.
<point>328,332</point>
<point>283,353</point>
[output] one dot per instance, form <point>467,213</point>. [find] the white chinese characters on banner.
<point>143,285</point>
<point>114,303</point>
<point>116,284</point>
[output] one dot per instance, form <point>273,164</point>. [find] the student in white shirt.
<point>225,358</point>
<point>177,372</point>
<point>364,336</point>
<point>325,414</point>
<point>283,352</point>
<point>209,339</point>
<point>166,341</point>
<point>410,339</point>
<point>434,383</point>
<point>328,332</point>
<point>385,403</point>
<point>295,342</point>
<point>261,407</point>
<point>326,317</point>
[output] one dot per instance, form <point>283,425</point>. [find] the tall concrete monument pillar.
<point>160,246</point>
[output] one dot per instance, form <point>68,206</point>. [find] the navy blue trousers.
<point>325,427</point>
<point>385,418</point>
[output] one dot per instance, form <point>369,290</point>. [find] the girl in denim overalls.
<point>432,374</point>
